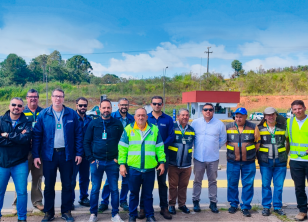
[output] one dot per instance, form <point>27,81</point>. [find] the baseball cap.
<point>269,110</point>
<point>241,110</point>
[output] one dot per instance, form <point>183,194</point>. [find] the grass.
<point>256,207</point>
<point>282,218</point>
<point>223,209</point>
<point>28,214</point>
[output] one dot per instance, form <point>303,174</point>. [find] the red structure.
<point>211,97</point>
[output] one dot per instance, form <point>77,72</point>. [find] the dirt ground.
<point>260,102</point>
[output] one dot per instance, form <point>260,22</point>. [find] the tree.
<point>79,69</point>
<point>56,67</point>
<point>15,69</point>
<point>237,66</point>
<point>110,79</point>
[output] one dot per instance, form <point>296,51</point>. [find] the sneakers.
<point>48,217</point>
<point>116,218</point>
<point>73,207</point>
<point>184,209</point>
<point>172,210</point>
<point>165,213</point>
<point>102,207</point>
<point>14,210</point>
<point>232,210</point>
<point>84,202</point>
<point>67,216</point>
<point>196,206</point>
<point>280,212</point>
<point>300,216</point>
<point>132,219</point>
<point>266,212</point>
<point>39,206</point>
<point>124,205</point>
<point>246,213</point>
<point>93,218</point>
<point>213,207</point>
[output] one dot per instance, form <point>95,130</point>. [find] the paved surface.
<point>204,215</point>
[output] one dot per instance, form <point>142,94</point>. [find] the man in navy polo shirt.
<point>125,118</point>
<point>165,126</point>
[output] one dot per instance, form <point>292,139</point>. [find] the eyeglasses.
<point>83,105</point>
<point>19,105</point>
<point>124,105</point>
<point>205,110</point>
<point>157,104</point>
<point>32,97</point>
<point>59,97</point>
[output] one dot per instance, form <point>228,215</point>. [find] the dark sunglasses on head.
<point>157,104</point>
<point>205,110</point>
<point>19,105</point>
<point>83,105</point>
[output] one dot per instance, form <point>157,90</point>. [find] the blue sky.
<point>139,38</point>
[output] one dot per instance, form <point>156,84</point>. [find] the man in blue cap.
<point>243,141</point>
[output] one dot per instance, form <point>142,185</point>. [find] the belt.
<point>61,149</point>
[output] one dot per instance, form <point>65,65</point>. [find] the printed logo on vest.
<point>264,138</point>
<point>246,137</point>
<point>232,137</point>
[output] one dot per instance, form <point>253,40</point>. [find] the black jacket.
<point>15,148</point>
<point>102,149</point>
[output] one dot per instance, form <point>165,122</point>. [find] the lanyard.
<point>15,122</point>
<point>104,126</point>
<point>238,129</point>
<point>268,129</point>
<point>34,115</point>
<point>182,130</point>
<point>57,115</point>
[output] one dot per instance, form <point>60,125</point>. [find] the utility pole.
<point>47,89</point>
<point>164,74</point>
<point>200,73</point>
<point>208,58</point>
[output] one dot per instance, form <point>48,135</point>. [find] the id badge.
<point>33,124</point>
<point>104,136</point>
<point>59,126</point>
<point>183,141</point>
<point>273,140</point>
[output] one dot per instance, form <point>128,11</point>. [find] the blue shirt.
<point>84,123</point>
<point>165,126</point>
<point>129,118</point>
<point>210,137</point>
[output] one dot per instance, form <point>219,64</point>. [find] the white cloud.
<point>167,54</point>
<point>29,36</point>
<point>275,62</point>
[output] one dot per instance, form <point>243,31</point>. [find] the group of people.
<point>58,138</point>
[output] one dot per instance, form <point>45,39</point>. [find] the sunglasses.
<point>157,104</point>
<point>205,110</point>
<point>83,105</point>
<point>19,105</point>
<point>124,105</point>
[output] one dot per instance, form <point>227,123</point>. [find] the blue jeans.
<point>84,179</point>
<point>278,174</point>
<point>50,170</point>
<point>123,193</point>
<point>137,179</point>
<point>19,174</point>
<point>247,173</point>
<point>97,171</point>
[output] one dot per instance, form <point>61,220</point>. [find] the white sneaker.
<point>93,218</point>
<point>116,218</point>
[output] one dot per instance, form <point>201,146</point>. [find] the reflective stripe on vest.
<point>173,148</point>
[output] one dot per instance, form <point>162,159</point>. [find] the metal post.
<point>164,72</point>
<point>47,89</point>
<point>208,58</point>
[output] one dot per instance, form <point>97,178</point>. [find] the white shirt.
<point>300,122</point>
<point>210,137</point>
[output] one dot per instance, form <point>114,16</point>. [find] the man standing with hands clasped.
<point>142,149</point>
<point>210,137</point>
<point>57,138</point>
<point>101,148</point>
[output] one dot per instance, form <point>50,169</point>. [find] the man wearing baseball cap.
<point>272,157</point>
<point>243,141</point>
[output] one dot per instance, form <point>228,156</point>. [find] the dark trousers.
<point>162,188</point>
<point>84,179</point>
<point>123,193</point>
<point>50,174</point>
<point>299,174</point>
<point>178,182</point>
<point>137,179</point>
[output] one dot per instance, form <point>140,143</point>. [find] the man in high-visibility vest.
<point>139,147</point>
<point>273,157</point>
<point>297,128</point>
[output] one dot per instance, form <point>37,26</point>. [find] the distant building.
<point>221,100</point>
